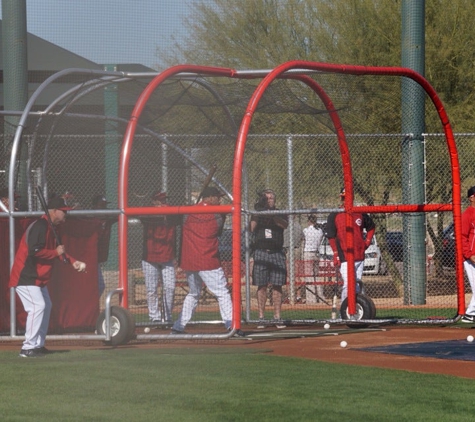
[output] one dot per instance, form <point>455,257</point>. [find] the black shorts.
<point>269,268</point>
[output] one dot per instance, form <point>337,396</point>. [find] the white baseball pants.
<point>359,265</point>
<point>37,304</point>
<point>155,273</point>
<point>470,270</point>
<point>215,281</point>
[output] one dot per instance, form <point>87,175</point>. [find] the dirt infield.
<point>328,349</point>
<point>325,347</point>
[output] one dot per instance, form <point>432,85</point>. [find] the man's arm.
<point>37,241</point>
<point>221,218</point>
<point>466,227</point>
<point>281,221</point>
<point>331,233</point>
<point>369,225</point>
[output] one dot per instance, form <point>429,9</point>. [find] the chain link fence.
<point>71,147</point>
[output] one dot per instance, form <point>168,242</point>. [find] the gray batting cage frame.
<point>126,134</point>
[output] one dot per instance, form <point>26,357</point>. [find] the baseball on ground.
<point>146,330</point>
<point>469,339</point>
<point>326,326</point>
<point>343,344</point>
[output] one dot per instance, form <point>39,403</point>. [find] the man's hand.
<point>80,266</point>
<point>60,249</point>
<point>336,260</point>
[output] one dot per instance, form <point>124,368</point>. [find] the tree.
<point>261,34</point>
<point>264,33</point>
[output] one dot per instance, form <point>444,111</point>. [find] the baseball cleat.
<point>469,319</point>
<point>31,353</point>
<point>44,350</point>
<point>178,331</point>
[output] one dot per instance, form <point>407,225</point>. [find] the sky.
<point>109,31</point>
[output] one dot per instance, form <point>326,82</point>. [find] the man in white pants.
<point>31,272</point>
<point>200,260</point>
<point>468,249</point>
<point>313,238</point>
<point>336,234</point>
<point>158,260</point>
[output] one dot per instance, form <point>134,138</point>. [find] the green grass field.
<point>219,384</point>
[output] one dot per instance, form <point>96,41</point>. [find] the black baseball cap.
<point>99,199</point>
<point>212,191</point>
<point>471,192</point>
<point>57,203</point>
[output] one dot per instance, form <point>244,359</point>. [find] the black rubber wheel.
<point>122,325</point>
<point>365,309</point>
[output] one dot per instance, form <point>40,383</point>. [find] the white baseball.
<point>146,330</point>
<point>80,266</point>
<point>326,326</point>
<point>469,339</point>
<point>343,344</point>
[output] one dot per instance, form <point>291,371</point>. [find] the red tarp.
<point>75,296</point>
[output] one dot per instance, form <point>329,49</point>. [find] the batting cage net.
<point>149,144</point>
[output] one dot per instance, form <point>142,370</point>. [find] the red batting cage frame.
<point>347,111</point>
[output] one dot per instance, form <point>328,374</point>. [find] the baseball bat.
<point>51,225</point>
<point>207,181</point>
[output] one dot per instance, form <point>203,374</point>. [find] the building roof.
<point>46,56</point>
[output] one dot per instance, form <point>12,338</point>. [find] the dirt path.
<point>327,348</point>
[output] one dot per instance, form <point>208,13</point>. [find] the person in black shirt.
<point>269,257</point>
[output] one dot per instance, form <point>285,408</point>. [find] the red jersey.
<point>35,256</point>
<point>158,239</point>
<point>336,229</point>
<point>468,232</point>
<point>199,251</point>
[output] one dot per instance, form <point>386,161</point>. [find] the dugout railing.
<point>185,106</point>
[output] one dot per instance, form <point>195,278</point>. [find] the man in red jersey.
<point>158,259</point>
<point>336,234</point>
<point>200,260</point>
<point>468,249</point>
<point>31,272</point>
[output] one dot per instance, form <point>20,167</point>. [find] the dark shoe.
<point>166,325</point>
<point>44,350</point>
<point>238,333</point>
<point>31,353</point>
<point>261,324</point>
<point>468,319</point>
<point>178,331</point>
<point>279,324</point>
